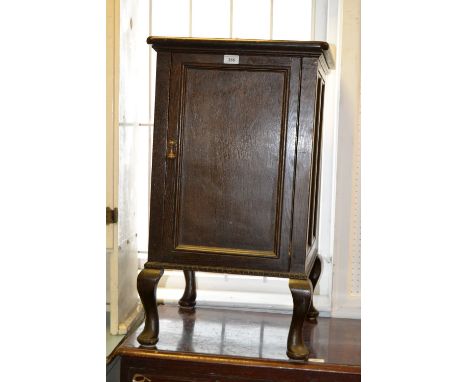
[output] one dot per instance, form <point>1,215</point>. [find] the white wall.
<point>346,296</point>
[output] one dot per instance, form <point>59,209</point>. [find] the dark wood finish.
<point>189,297</point>
<point>228,197</point>
<point>314,276</point>
<point>236,161</point>
<point>194,369</point>
<point>158,170</point>
<point>147,283</point>
<point>301,291</point>
<point>216,164</point>
<point>319,49</point>
<point>226,345</point>
<point>315,170</point>
<point>302,253</point>
<point>199,213</point>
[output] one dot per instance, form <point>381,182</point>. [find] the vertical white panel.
<point>140,23</point>
<point>134,53</point>
<point>345,303</point>
<point>321,18</point>
<point>152,83</point>
<point>113,254</point>
<point>292,20</point>
<point>334,23</point>
<point>328,174</point>
<point>355,244</point>
<point>171,18</point>
<point>142,73</point>
<point>312,18</point>
<point>111,103</point>
<point>124,282</point>
<point>135,106</point>
<point>142,160</point>
<point>108,278</point>
<point>210,18</point>
<point>251,19</point>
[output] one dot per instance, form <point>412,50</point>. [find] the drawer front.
<point>211,373</point>
<point>141,376</point>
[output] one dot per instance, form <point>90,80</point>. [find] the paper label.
<point>231,59</point>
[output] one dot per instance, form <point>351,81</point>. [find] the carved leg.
<point>301,293</point>
<point>190,292</point>
<point>314,276</point>
<point>147,283</point>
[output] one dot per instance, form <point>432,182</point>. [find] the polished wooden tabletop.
<point>261,336</point>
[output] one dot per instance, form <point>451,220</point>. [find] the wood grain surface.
<point>230,345</point>
<point>228,191</point>
<point>231,157</point>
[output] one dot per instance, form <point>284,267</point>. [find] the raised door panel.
<point>230,160</point>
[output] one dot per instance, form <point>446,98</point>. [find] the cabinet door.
<point>230,161</point>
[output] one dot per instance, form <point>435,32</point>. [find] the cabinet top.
<point>226,45</point>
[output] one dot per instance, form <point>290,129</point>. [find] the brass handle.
<point>171,149</point>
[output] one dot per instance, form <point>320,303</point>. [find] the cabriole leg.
<point>189,297</point>
<point>314,276</point>
<point>301,293</point>
<point>147,283</point>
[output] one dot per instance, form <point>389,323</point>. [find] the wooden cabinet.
<point>236,167</point>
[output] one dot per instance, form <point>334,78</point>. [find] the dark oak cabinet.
<point>236,167</point>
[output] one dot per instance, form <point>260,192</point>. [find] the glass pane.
<point>171,18</point>
<point>292,19</point>
<point>210,18</point>
<point>251,19</point>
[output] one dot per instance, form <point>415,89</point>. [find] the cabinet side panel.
<point>158,173</point>
<point>304,164</point>
<point>316,165</point>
